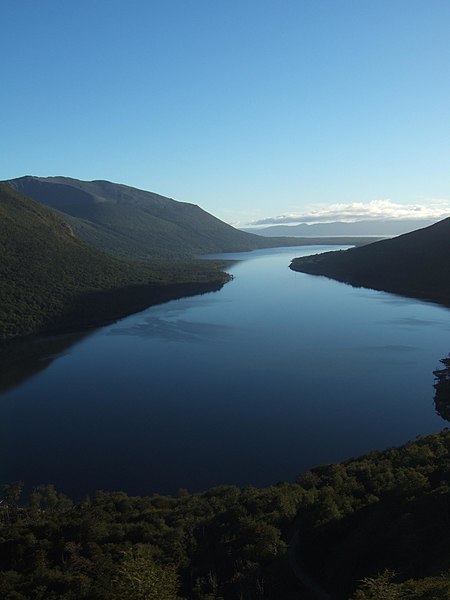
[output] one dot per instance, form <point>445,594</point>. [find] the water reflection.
<point>417,322</point>
<point>177,330</point>
<point>19,361</point>
<point>276,373</point>
<point>390,348</point>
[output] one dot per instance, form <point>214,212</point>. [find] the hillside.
<point>51,281</point>
<point>127,222</point>
<point>416,264</point>
<point>338,523</point>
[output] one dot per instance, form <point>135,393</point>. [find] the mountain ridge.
<point>51,281</point>
<point>127,222</point>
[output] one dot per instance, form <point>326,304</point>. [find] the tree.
<point>12,493</point>
<point>140,578</point>
<point>380,587</point>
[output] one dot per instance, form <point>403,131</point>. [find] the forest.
<point>372,527</point>
<point>51,281</point>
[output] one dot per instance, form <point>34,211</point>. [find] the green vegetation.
<point>127,222</point>
<point>98,251</point>
<point>415,264</point>
<point>442,390</point>
<point>375,527</point>
<point>52,281</point>
<point>385,587</point>
<point>372,527</point>
<point>387,510</point>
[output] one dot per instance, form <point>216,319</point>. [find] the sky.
<point>256,110</point>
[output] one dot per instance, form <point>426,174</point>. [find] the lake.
<point>274,374</point>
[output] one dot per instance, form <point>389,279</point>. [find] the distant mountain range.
<point>376,227</point>
<point>416,264</point>
<point>127,222</point>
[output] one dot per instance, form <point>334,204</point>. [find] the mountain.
<point>376,227</point>
<point>416,264</point>
<point>127,222</point>
<point>50,280</point>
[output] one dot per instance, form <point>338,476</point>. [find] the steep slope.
<point>415,264</point>
<point>51,280</point>
<point>124,221</point>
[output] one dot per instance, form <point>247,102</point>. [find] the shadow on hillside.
<point>405,531</point>
<point>101,308</point>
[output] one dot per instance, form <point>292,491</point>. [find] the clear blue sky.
<point>249,108</point>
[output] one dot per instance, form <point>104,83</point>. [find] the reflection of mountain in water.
<point>442,390</point>
<point>21,360</point>
<point>178,330</point>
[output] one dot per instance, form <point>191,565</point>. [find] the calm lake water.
<point>276,373</point>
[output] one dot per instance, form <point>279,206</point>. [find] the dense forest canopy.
<point>379,522</point>
<point>371,527</point>
<point>80,254</point>
<point>50,280</point>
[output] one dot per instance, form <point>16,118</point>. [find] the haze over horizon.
<point>260,112</point>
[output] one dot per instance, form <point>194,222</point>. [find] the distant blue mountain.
<point>378,227</point>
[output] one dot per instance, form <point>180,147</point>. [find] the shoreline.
<point>91,311</point>
<point>311,265</point>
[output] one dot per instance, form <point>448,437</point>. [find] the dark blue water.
<point>276,373</point>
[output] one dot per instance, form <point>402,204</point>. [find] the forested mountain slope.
<point>50,280</point>
<point>415,264</point>
<point>128,222</point>
<point>353,520</point>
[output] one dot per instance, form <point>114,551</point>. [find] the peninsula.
<point>415,264</point>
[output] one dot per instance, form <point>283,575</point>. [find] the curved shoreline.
<point>313,265</point>
<point>90,311</point>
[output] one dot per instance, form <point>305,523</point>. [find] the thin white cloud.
<point>362,211</point>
